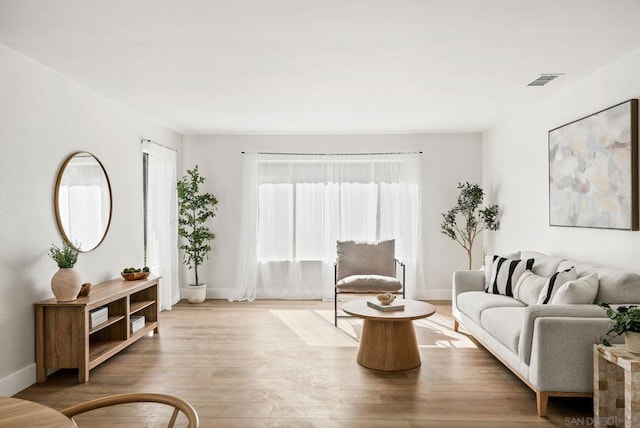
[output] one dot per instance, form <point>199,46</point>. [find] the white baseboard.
<point>212,293</point>
<point>17,381</point>
<point>436,294</point>
<point>225,293</point>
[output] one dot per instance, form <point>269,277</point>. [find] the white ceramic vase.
<point>66,284</point>
<point>632,340</point>
<point>196,293</point>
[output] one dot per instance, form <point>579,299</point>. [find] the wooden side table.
<point>616,387</point>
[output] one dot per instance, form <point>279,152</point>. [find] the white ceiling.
<point>322,66</point>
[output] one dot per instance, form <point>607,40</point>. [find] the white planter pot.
<point>196,293</point>
<point>66,284</point>
<point>632,340</point>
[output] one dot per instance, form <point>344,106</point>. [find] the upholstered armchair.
<point>366,268</point>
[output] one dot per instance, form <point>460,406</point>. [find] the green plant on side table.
<point>194,210</point>
<point>626,321</point>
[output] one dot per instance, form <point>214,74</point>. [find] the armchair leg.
<point>335,309</point>
<point>404,279</point>
<point>456,325</point>
<point>335,294</point>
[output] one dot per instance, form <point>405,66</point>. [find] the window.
<point>145,202</point>
<point>305,206</point>
<point>160,218</point>
<point>295,208</point>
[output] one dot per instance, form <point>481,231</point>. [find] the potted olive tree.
<point>464,222</point>
<point>194,210</point>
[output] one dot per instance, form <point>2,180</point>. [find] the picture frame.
<point>593,170</point>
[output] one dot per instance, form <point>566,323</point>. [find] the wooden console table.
<point>616,387</point>
<point>64,338</point>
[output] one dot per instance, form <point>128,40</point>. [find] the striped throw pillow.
<point>505,274</point>
<point>554,283</point>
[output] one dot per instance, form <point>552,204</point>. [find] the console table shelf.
<point>138,306</point>
<point>65,340</point>
<point>112,320</point>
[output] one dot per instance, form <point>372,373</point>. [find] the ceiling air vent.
<point>543,79</point>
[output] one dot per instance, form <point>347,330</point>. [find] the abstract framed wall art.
<point>593,170</point>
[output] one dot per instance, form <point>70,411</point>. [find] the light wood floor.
<point>284,364</point>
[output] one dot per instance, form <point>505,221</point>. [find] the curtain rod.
<point>337,154</point>
<point>158,144</point>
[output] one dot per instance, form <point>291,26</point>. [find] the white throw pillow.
<point>579,291</point>
<point>554,283</point>
<point>528,287</point>
<point>505,274</point>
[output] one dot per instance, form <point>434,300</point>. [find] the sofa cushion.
<point>615,286</point>
<point>581,291</point>
<point>473,303</point>
<point>505,274</point>
<point>544,265</point>
<point>368,284</point>
<point>505,324</point>
<point>554,283</point>
<point>528,287</point>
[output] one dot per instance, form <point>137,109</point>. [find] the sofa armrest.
<point>562,353</point>
<point>534,312</point>
<point>463,281</point>
<point>467,280</point>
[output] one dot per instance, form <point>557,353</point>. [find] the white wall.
<point>447,160</point>
<point>515,162</point>
<point>43,118</point>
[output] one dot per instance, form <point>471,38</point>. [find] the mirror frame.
<point>57,206</point>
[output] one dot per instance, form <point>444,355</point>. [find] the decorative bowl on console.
<point>134,276</point>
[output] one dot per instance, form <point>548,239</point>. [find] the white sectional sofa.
<point>548,346</point>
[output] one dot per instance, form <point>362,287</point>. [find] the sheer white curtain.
<point>298,206</point>
<point>162,214</point>
<point>247,272</point>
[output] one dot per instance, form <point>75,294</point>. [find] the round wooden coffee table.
<point>388,338</point>
<point>15,412</point>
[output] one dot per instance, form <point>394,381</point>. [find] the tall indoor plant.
<point>471,217</point>
<point>194,209</point>
<point>65,283</point>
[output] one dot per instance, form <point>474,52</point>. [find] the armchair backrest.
<point>366,258</point>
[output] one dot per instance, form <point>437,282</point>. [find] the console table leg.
<point>41,369</point>
<point>83,375</point>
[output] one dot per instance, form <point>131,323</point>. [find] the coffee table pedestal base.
<point>388,345</point>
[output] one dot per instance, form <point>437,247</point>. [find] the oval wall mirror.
<point>83,201</point>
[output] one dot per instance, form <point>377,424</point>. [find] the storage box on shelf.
<point>98,316</point>
<point>137,323</point>
<point>66,337</point>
